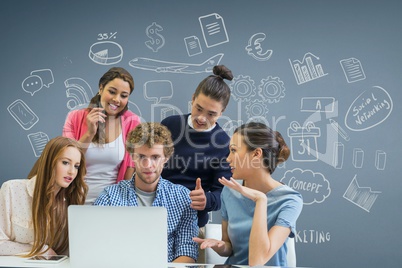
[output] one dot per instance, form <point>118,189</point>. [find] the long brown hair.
<point>49,210</point>
<point>111,74</point>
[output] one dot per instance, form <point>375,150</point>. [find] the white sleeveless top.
<point>103,162</point>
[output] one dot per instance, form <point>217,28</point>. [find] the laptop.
<point>124,237</point>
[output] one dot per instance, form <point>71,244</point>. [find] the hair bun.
<point>283,148</point>
<point>223,72</point>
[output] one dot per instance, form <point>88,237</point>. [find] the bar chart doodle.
<point>362,197</point>
<point>306,70</point>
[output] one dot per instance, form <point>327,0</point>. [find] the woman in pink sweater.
<point>102,129</point>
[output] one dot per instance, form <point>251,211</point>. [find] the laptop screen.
<point>108,236</point>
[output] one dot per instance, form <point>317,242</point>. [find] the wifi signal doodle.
<point>79,91</point>
<point>157,40</point>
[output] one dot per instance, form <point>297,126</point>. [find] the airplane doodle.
<point>175,67</point>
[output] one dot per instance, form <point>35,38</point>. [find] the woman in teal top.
<point>258,216</point>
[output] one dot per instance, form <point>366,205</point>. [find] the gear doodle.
<point>243,88</point>
<point>271,89</point>
<point>256,108</point>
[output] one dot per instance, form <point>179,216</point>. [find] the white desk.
<point>13,261</point>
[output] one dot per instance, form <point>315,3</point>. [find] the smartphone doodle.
<point>23,114</point>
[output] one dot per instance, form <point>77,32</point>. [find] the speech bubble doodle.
<point>158,90</point>
<point>32,84</point>
<point>37,80</point>
<point>46,75</point>
<point>311,185</point>
<point>369,109</point>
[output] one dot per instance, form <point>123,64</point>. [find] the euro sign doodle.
<point>157,40</point>
<point>254,48</point>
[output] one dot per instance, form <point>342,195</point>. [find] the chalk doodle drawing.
<point>307,70</point>
<point>157,41</point>
<point>272,89</point>
<point>380,159</point>
<point>338,129</point>
<point>358,157</point>
<point>213,29</point>
<point>369,109</point>
<point>79,93</point>
<point>303,141</point>
<point>338,155</point>
<point>317,104</point>
<point>160,66</point>
<point>38,142</point>
<point>193,45</point>
<point>243,88</point>
<point>313,186</point>
<point>362,197</point>
<point>106,52</point>
<point>37,80</point>
<point>158,90</point>
<point>255,50</point>
<point>24,116</point>
<point>353,70</point>
<point>257,108</point>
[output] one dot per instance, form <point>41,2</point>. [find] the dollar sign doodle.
<point>157,41</point>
